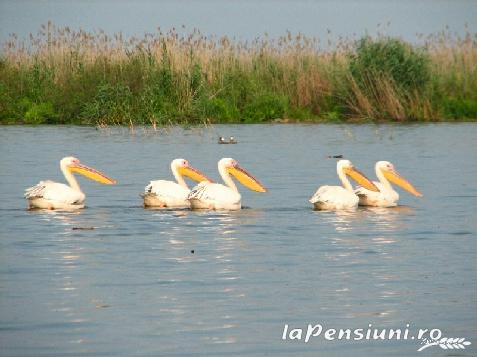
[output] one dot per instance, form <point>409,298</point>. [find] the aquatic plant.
<point>64,76</point>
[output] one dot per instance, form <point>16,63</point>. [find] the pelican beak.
<point>92,174</point>
<point>361,179</point>
<point>394,177</point>
<point>193,174</point>
<point>246,179</point>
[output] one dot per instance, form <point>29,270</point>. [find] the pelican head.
<point>185,169</point>
<point>232,167</point>
<point>348,169</point>
<point>393,176</point>
<point>72,164</point>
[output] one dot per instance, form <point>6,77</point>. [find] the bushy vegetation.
<point>390,59</point>
<point>64,76</point>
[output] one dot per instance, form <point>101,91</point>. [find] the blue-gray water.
<point>243,19</point>
<point>132,286</point>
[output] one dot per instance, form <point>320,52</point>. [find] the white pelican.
<point>386,197</point>
<point>169,194</point>
<point>209,195</point>
<point>341,197</point>
<point>54,195</point>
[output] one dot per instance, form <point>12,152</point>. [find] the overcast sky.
<point>244,19</point>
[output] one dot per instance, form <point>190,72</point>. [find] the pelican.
<point>386,197</point>
<point>53,195</point>
<point>169,194</point>
<point>341,197</point>
<point>209,195</point>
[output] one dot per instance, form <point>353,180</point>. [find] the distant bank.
<point>69,77</point>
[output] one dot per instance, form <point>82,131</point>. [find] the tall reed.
<point>62,75</point>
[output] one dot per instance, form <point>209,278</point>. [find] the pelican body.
<point>216,196</point>
<point>169,194</point>
<point>53,195</point>
<point>387,196</point>
<point>341,197</point>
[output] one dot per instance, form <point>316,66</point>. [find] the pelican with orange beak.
<point>53,195</point>
<point>170,194</point>
<point>386,197</point>
<point>341,197</point>
<point>216,196</point>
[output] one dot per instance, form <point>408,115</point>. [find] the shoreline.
<point>269,123</point>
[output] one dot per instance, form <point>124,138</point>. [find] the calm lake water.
<point>132,286</point>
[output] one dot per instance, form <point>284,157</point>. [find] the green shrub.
<point>219,109</point>
<point>331,109</point>
<point>333,116</point>
<point>390,58</point>
<point>112,103</point>
<point>195,78</point>
<point>238,87</point>
<point>460,108</point>
<point>38,113</point>
<point>7,105</point>
<point>300,113</point>
<point>265,107</point>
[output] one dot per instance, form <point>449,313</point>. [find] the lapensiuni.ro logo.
<point>426,337</point>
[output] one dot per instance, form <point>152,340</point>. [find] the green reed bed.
<point>65,76</point>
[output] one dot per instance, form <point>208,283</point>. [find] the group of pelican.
<point>207,194</point>
<point>213,196</point>
<point>369,193</point>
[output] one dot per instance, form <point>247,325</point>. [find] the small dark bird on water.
<point>222,140</point>
<point>335,156</point>
<point>232,140</point>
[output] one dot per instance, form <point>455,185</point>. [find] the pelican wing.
<point>207,191</point>
<point>54,191</point>
<point>166,189</point>
<point>198,192</point>
<point>323,194</point>
<point>333,194</point>
<point>385,197</point>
